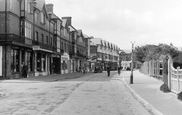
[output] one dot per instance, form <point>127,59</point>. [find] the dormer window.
<point>42,18</point>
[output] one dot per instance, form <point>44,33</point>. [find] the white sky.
<point>124,21</point>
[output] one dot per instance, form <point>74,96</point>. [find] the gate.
<point>175,78</point>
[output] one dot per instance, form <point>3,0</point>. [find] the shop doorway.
<point>56,65</point>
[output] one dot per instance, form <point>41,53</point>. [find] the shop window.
<point>44,62</point>
<point>15,60</point>
<point>38,62</point>
<point>29,61</point>
<point>41,62</point>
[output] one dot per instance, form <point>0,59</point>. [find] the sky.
<point>123,22</point>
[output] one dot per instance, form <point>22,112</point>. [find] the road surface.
<point>92,94</point>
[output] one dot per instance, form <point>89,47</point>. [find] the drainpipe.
<point>50,68</point>
<point>5,38</point>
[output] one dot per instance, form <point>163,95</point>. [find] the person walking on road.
<point>119,70</point>
<point>108,71</point>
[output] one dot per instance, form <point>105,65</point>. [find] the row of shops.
<point>39,62</point>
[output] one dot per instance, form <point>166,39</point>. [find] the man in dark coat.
<point>119,70</point>
<point>108,71</point>
<point>24,70</point>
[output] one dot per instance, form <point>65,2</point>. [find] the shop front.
<point>55,66</point>
<point>41,61</point>
<point>65,63</point>
<point>11,59</point>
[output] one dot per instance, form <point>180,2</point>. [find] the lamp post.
<point>131,76</point>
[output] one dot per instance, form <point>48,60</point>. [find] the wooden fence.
<point>174,78</point>
<point>153,68</point>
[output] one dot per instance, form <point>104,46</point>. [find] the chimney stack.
<point>68,20</point>
<point>49,8</point>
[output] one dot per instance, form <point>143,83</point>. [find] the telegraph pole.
<point>131,76</point>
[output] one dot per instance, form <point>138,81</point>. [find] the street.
<point>87,95</point>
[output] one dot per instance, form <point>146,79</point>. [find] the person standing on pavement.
<point>108,71</point>
<point>24,70</point>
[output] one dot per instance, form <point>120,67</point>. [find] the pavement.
<point>48,78</point>
<point>147,90</point>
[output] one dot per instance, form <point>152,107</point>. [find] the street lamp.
<point>131,76</point>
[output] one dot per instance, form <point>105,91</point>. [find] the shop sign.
<point>36,47</point>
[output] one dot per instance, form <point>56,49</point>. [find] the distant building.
<point>104,53</point>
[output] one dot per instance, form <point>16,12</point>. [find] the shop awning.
<point>38,48</point>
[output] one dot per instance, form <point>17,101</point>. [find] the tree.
<point>154,52</point>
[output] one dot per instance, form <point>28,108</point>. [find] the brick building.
<point>31,33</point>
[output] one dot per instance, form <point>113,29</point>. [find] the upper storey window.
<point>42,18</point>
<point>27,6</point>
<point>28,30</point>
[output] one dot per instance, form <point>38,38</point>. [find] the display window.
<point>38,61</point>
<point>15,60</point>
<point>41,62</point>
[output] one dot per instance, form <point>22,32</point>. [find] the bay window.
<point>28,30</point>
<point>27,6</point>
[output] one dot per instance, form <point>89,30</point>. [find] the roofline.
<point>74,28</point>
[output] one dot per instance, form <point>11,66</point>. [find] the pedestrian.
<point>119,70</point>
<point>108,71</point>
<point>24,70</point>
